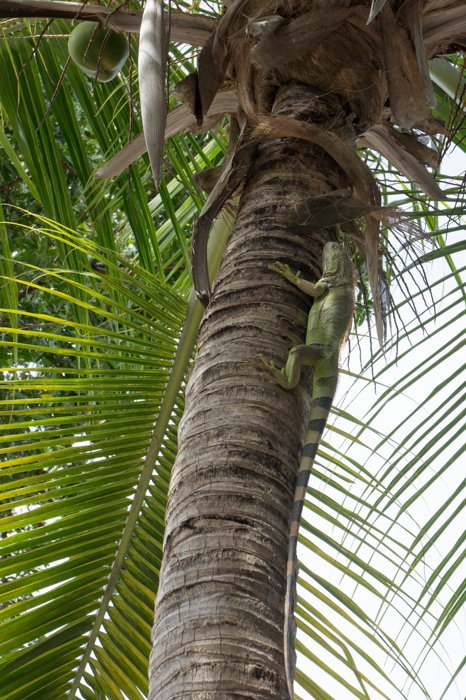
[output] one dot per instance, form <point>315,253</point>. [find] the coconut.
<point>113,57</point>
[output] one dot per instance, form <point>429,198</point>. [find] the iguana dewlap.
<point>327,331</point>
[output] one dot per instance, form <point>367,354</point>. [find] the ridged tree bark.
<point>218,629</point>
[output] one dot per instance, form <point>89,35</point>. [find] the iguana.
<point>327,331</point>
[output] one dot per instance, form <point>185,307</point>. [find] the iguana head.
<point>336,261</point>
<point>332,254</point>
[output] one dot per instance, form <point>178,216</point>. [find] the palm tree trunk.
<point>218,627</point>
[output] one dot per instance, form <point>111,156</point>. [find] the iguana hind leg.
<point>299,356</point>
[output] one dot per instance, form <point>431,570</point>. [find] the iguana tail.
<point>325,380</point>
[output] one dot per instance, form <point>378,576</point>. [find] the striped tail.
<point>323,390</point>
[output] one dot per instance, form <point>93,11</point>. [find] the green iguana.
<point>327,331</point>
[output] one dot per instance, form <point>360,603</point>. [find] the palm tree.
<point>101,320</point>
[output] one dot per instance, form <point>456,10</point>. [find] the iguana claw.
<point>273,374</point>
<point>284,270</point>
<point>260,365</point>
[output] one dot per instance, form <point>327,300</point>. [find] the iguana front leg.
<point>307,355</point>
<point>314,290</point>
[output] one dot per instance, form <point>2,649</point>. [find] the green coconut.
<point>113,57</point>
